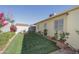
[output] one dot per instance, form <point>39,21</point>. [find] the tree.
<point>9,19</point>
<point>3,20</point>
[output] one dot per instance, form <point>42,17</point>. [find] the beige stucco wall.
<point>72,26</point>
<point>50,25</point>
<point>51,29</point>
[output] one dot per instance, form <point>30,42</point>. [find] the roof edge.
<point>65,12</point>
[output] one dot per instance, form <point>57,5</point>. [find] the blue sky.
<point>31,14</point>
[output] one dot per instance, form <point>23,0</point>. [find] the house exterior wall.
<point>50,25</point>
<point>72,26</point>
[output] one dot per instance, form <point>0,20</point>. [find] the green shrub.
<point>64,36</point>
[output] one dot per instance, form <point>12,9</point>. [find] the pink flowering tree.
<point>3,21</point>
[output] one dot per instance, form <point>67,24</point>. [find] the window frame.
<point>59,25</point>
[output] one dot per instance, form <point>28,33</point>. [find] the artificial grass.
<point>31,43</point>
<point>37,44</point>
<point>4,38</point>
<point>16,45</point>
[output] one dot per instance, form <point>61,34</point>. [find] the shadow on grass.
<point>37,44</point>
<point>24,45</point>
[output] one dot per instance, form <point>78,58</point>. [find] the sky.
<point>30,14</point>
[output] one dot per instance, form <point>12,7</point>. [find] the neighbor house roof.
<point>21,24</point>
<point>65,12</point>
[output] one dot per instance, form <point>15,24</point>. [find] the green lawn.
<point>4,38</point>
<point>16,45</point>
<point>37,44</point>
<point>31,43</point>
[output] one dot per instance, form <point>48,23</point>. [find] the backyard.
<point>30,43</point>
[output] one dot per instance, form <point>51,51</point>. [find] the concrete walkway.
<point>63,51</point>
<point>64,48</point>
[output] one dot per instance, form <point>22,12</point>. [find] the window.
<point>56,25</point>
<point>45,26</point>
<point>59,25</point>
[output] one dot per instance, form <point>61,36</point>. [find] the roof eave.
<point>65,12</point>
